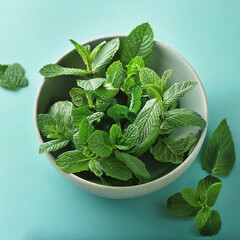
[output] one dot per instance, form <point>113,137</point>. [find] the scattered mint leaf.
<point>205,183</point>
<point>99,142</point>
<point>115,135</point>
<point>91,84</point>
<point>135,99</point>
<point>78,97</point>
<point>179,207</point>
<point>53,145</point>
<point>192,197</point>
<point>138,43</point>
<point>134,164</point>
<point>212,226</point>
<point>202,217</point>
<point>85,130</point>
<point>105,55</point>
<point>78,114</point>
<point>212,194</point>
<point>73,161</point>
<point>219,155</point>
<point>96,50</point>
<point>54,70</point>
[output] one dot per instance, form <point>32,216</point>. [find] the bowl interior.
<point>163,58</point>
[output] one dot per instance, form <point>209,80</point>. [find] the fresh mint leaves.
<point>119,109</point>
<point>12,76</point>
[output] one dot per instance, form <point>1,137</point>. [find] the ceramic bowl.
<point>163,58</point>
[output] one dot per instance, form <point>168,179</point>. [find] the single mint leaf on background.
<point>134,164</point>
<point>96,50</point>
<point>181,117</point>
<point>72,161</point>
<point>179,207</point>
<point>115,135</point>
<point>95,117</point>
<point>205,183</point>
<point>105,55</point>
<point>219,155</point>
<point>85,130</point>
<point>53,145</point>
<point>192,197</point>
<point>135,65</point>
<point>95,167</point>
<point>115,169</point>
<point>202,217</point>
<point>115,74</point>
<point>212,194</point>
<point>212,226</point>
<point>91,84</point>
<point>12,76</point>
<point>176,91</point>
<point>54,70</point>
<point>135,99</point>
<point>99,142</point>
<point>80,113</point>
<point>138,43</point>
<point>78,97</point>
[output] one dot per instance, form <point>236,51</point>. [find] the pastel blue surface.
<point>36,203</point>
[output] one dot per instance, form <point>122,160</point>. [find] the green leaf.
<point>219,155</point>
<point>46,124</point>
<point>115,169</point>
<point>105,55</point>
<point>96,50</point>
<point>148,76</point>
<point>166,75</point>
<point>91,84</point>
<point>178,206</point>
<point>12,76</point>
<point>138,43</point>
<point>53,145</point>
<point>87,152</point>
<point>135,65</point>
<point>102,105</point>
<point>80,113</point>
<point>95,167</point>
<point>212,193</point>
<point>118,112</point>
<point>115,74</point>
<point>134,164</point>
<point>176,91</point>
<point>173,149</point>
<point>135,99</point>
<point>106,92</point>
<point>78,97</point>
<point>99,142</point>
<point>77,143</point>
<point>95,117</point>
<point>205,183</point>
<point>54,70</point>
<point>115,135</point>
<point>85,130</point>
<point>202,217</point>
<point>192,197</point>
<point>128,83</point>
<point>212,226</point>
<point>181,117</point>
<point>82,52</point>
<point>72,162</point>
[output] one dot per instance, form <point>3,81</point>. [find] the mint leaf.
<point>192,197</point>
<point>179,207</point>
<point>96,50</point>
<point>105,55</point>
<point>106,92</point>
<point>80,113</point>
<point>176,91</point>
<point>181,117</point>
<point>202,217</point>
<point>115,74</point>
<point>118,112</point>
<point>115,135</point>
<point>53,145</point>
<point>87,152</point>
<point>135,65</point>
<point>72,161</point>
<point>134,164</point>
<point>219,155</point>
<point>102,105</point>
<point>135,99</point>
<point>212,194</point>
<point>12,76</point>
<point>95,117</point>
<point>82,52</point>
<point>91,84</point>
<point>77,143</point>
<point>78,96</point>
<point>212,226</point>
<point>85,130</point>
<point>46,124</point>
<point>115,169</point>
<point>95,167</point>
<point>54,70</point>
<point>138,43</point>
<point>99,142</point>
<point>148,76</point>
<point>205,183</point>
<point>166,75</point>
<point>127,84</point>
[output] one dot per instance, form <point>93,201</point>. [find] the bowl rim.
<point>152,182</point>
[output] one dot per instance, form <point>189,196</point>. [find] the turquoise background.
<point>36,203</point>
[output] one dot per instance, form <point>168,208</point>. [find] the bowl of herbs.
<point>121,116</point>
